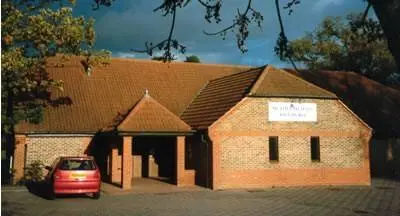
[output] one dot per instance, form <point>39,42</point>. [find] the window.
<point>71,164</point>
<point>273,149</point>
<point>315,156</point>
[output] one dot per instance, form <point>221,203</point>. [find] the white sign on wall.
<point>298,112</point>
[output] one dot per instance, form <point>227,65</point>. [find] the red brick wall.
<point>183,177</point>
<point>240,147</point>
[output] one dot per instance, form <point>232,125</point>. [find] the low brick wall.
<point>46,149</point>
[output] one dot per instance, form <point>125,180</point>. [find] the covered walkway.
<point>148,129</point>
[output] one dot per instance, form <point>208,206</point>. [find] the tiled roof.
<point>116,87</point>
<point>276,82</point>
<point>205,91</point>
<point>376,104</point>
<point>218,97</point>
<point>148,116</point>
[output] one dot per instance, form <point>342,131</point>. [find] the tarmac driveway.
<point>382,198</point>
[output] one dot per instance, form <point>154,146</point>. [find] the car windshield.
<point>75,164</point>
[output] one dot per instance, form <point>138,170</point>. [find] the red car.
<point>74,175</point>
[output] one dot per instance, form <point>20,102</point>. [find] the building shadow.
<point>39,188</point>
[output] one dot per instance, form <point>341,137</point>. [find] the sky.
<point>128,24</point>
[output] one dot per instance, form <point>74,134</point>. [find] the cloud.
<point>320,5</point>
<point>129,24</point>
<point>124,55</point>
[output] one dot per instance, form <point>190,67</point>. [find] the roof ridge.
<point>234,74</point>
<point>307,82</point>
<point>178,62</point>
<point>258,82</point>
<point>194,98</point>
<point>130,111</point>
<point>142,101</point>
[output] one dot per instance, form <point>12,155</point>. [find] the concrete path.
<point>148,186</point>
<point>383,198</point>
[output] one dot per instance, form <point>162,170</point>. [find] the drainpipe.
<point>206,140</point>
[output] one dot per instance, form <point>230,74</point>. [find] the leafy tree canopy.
<point>193,58</point>
<point>31,32</point>
<point>353,44</point>
<point>160,58</point>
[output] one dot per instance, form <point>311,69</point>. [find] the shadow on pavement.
<point>43,190</point>
<point>39,188</point>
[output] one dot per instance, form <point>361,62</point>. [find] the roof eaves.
<point>291,96</point>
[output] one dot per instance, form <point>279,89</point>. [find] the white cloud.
<point>124,55</point>
<point>322,4</point>
<point>210,57</point>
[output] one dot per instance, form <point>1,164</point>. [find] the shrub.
<point>34,171</point>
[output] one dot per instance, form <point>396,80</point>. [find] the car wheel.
<point>51,195</point>
<point>96,195</point>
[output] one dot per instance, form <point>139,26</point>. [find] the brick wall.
<point>251,152</point>
<point>47,149</point>
<point>331,116</point>
<point>240,147</point>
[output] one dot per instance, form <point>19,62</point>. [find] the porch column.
<point>180,160</point>
<point>115,173</point>
<point>126,175</point>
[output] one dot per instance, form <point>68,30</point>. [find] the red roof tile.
<point>218,97</point>
<point>148,116</point>
<point>116,87</point>
<point>276,82</point>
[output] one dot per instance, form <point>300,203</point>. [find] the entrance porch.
<point>150,142</point>
<point>157,158</point>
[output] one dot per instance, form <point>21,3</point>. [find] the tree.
<point>160,58</point>
<point>388,13</point>
<point>192,58</point>
<point>356,45</point>
<point>31,33</point>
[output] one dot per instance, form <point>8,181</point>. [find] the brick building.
<point>211,125</point>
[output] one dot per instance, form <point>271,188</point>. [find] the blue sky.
<point>130,23</point>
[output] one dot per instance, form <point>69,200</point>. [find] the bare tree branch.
<point>365,14</point>
<point>169,7</point>
<point>240,23</point>
<point>234,24</point>
<point>282,43</point>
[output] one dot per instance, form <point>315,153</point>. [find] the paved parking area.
<point>383,198</point>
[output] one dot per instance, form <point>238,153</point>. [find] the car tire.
<point>96,195</point>
<point>51,195</point>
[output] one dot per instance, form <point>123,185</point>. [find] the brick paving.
<point>382,198</point>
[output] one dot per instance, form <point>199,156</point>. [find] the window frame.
<point>273,141</point>
<point>315,149</point>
